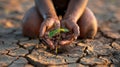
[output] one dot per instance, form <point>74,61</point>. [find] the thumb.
<point>57,25</point>
<point>42,29</point>
<point>76,31</point>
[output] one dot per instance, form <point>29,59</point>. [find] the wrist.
<point>70,18</point>
<point>51,20</point>
<point>49,16</point>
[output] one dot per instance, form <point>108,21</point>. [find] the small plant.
<point>57,32</point>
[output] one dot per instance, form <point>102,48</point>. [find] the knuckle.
<point>58,23</point>
<point>45,23</point>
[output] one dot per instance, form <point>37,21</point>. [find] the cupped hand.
<point>73,27</point>
<point>46,25</point>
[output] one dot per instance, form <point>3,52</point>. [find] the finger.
<point>57,25</point>
<point>50,43</point>
<point>62,24</point>
<point>42,29</point>
<point>76,31</point>
<point>65,42</point>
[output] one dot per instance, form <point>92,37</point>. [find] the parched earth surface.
<point>19,51</point>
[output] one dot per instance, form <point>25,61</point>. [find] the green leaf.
<point>64,30</point>
<point>57,31</point>
<point>54,32</point>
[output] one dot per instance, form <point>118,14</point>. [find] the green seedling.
<point>56,50</point>
<point>55,32</point>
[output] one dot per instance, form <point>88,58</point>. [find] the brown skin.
<point>78,19</point>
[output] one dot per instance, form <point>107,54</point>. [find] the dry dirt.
<point>19,51</point>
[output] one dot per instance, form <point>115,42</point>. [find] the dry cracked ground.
<point>19,51</point>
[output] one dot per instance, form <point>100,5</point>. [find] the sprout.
<point>56,50</point>
<point>57,31</point>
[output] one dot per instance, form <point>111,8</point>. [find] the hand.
<point>47,25</point>
<point>73,27</point>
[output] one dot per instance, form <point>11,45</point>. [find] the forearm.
<point>46,8</point>
<point>75,9</point>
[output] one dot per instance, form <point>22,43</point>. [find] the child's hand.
<point>72,26</point>
<point>47,25</point>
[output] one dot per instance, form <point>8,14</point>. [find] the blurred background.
<point>106,11</point>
